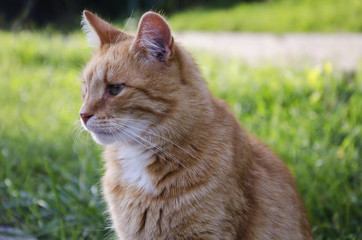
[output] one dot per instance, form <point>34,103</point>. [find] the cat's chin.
<point>103,139</point>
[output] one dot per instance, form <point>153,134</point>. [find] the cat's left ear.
<point>154,38</point>
<point>99,32</point>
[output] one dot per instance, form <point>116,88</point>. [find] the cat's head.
<point>134,83</point>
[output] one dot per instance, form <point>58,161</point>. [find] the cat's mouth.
<point>104,133</point>
<point>116,132</point>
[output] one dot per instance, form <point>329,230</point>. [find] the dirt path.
<point>344,51</point>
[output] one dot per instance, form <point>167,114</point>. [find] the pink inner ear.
<point>155,35</point>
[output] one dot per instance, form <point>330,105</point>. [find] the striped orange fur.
<point>178,165</point>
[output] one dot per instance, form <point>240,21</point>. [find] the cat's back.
<point>276,211</point>
<point>272,207</point>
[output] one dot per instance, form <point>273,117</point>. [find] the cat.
<point>178,165</point>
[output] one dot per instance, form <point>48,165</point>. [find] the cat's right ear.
<point>154,38</point>
<point>98,31</point>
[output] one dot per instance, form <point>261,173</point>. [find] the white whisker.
<point>150,146</point>
<point>77,130</point>
<point>160,149</point>
<point>125,26</point>
<point>76,133</point>
<point>134,138</point>
<point>168,140</point>
<point>147,147</point>
<point>118,135</point>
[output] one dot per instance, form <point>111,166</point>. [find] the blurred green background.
<point>49,170</point>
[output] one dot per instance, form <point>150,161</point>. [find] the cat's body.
<point>178,164</point>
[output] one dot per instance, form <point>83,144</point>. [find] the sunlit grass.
<point>276,16</point>
<point>49,178</point>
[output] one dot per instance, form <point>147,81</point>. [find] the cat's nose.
<point>85,117</point>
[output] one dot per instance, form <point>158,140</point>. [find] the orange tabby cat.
<point>178,164</point>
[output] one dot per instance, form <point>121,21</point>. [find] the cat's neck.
<point>173,167</point>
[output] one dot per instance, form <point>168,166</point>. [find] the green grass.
<point>49,182</point>
<point>276,16</point>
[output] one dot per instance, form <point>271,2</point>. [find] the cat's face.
<point>131,83</point>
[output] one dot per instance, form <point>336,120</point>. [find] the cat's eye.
<point>115,89</point>
<point>84,91</point>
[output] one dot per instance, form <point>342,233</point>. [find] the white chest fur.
<point>134,160</point>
